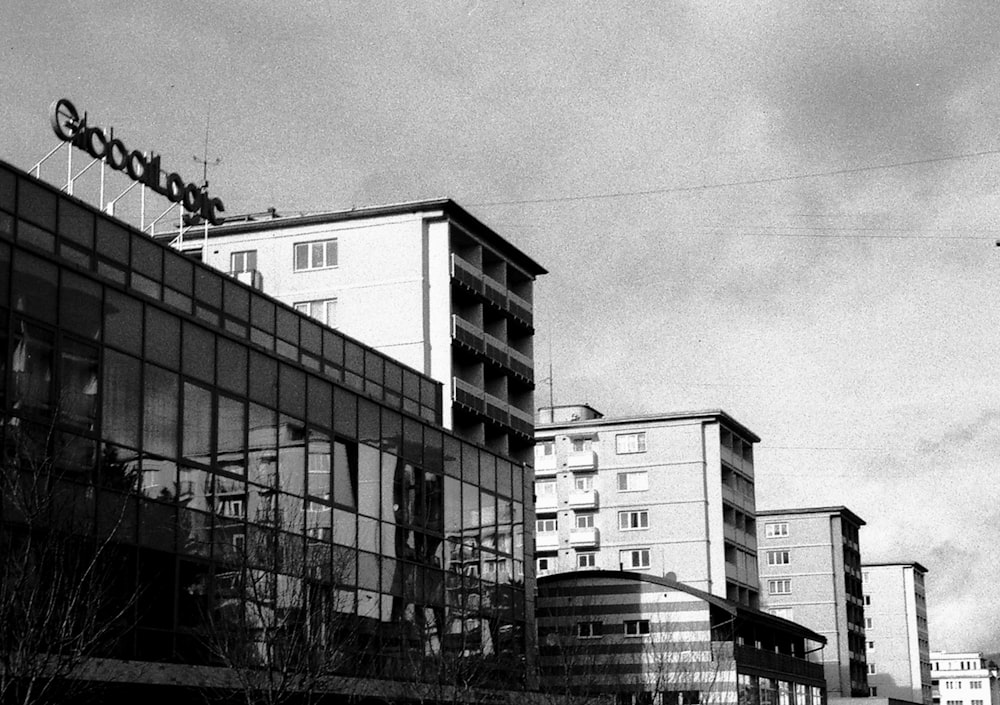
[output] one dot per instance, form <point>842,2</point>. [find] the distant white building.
<point>964,678</point>
<point>897,648</point>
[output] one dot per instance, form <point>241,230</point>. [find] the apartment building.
<point>964,678</point>
<point>667,494</point>
<point>424,282</point>
<point>810,572</point>
<point>897,648</point>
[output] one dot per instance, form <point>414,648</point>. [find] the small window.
<point>630,443</point>
<point>585,520</point>
<point>544,564</point>
<point>871,668</point>
<point>244,261</point>
<point>586,560</point>
<point>323,310</point>
<point>777,557</point>
<point>773,530</point>
<point>315,255</point>
<point>546,526</point>
<point>975,684</point>
<point>633,520</point>
<point>872,691</point>
<point>589,630</point>
<point>783,612</point>
<point>779,587</point>
<point>548,447</point>
<point>581,445</point>
<point>636,627</point>
<point>635,558</point>
<point>870,645</point>
<point>633,481</point>
<point>583,483</point>
<point>868,622</point>
<point>868,599</point>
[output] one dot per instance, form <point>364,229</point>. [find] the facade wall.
<point>817,552</point>
<point>665,504</point>
<point>219,421</point>
<point>898,652</point>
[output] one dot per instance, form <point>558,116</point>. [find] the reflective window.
<point>163,335</point>
<point>263,445</point>
<point>32,369</point>
<point>37,204</point>
<point>345,473</point>
<point>230,434</point>
<point>34,281</point>
<point>199,353</point>
<point>78,372</point>
<point>80,305</point>
<point>160,406</point>
<point>121,400</point>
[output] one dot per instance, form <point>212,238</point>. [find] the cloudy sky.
<point>784,209</point>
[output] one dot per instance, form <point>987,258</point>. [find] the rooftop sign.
<point>141,167</point>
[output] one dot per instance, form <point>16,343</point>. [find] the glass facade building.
<point>218,421</point>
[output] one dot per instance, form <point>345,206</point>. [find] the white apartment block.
<point>669,494</point>
<point>897,647</point>
<point>424,282</point>
<point>964,678</point>
<point>810,573</point>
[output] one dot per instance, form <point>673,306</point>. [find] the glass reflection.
<point>230,434</point>
<point>78,385</point>
<point>262,432</point>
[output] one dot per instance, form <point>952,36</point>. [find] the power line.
<point>731,184</point>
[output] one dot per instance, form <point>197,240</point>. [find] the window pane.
<point>32,368</point>
<point>231,436</point>
<point>163,333</point>
<point>34,289</point>
<point>121,400</point>
<point>197,437</point>
<point>160,406</point>
<point>78,385</point>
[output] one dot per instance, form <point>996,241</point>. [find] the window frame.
<point>591,557</point>
<point>773,556</point>
<point>779,586</point>
<point>633,628</point>
<point>776,530</point>
<point>625,485</point>
<point>633,520</point>
<point>643,553</point>
<point>589,630</point>
<point>623,444</point>
<point>243,255</point>
<point>306,307</point>
<point>310,246</point>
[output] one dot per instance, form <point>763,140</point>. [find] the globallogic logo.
<point>141,167</point>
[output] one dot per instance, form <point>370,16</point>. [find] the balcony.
<point>519,308</point>
<point>468,395</point>
<point>582,460</point>
<point>496,350</point>
<point>467,334</point>
<point>583,499</point>
<point>497,409</point>
<point>778,663</point>
<point>252,278</point>
<point>466,274</point>
<point>495,292</point>
<point>521,365</point>
<point>548,541</point>
<point>523,422</point>
<point>582,538</point>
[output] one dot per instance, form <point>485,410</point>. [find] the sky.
<point>787,210</point>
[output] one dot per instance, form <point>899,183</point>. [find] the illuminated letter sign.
<point>144,168</point>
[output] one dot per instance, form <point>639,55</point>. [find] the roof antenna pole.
<point>205,162</point>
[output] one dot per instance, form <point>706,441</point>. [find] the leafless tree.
<point>63,596</point>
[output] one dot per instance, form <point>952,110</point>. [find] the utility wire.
<point>731,184</point>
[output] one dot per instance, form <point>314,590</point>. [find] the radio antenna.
<point>204,160</point>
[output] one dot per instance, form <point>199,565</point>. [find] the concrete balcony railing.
<point>584,499</point>
<point>548,541</point>
<point>584,537</point>
<point>492,348</point>
<point>546,502</point>
<point>520,308</point>
<point>545,464</point>
<point>523,422</point>
<point>468,395</point>
<point>582,459</point>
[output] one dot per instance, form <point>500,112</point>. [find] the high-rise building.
<point>424,282</point>
<point>964,678</point>
<point>260,485</point>
<point>897,648</point>
<point>810,572</point>
<point>667,494</point>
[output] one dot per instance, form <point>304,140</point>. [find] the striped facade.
<point>649,640</point>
